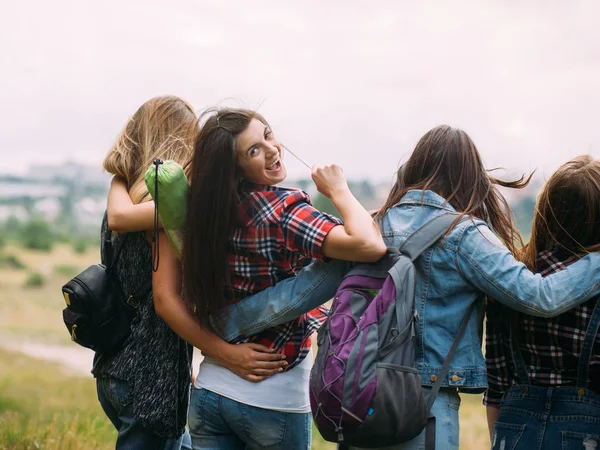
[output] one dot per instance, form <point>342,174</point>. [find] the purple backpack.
<point>365,390</point>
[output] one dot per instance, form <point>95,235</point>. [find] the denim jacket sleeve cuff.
<point>285,301</point>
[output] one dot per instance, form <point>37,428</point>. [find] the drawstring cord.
<point>295,156</point>
<point>155,252</point>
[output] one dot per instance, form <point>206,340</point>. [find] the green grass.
<point>35,312</point>
<point>41,407</point>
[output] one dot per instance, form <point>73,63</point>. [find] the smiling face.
<point>259,155</point>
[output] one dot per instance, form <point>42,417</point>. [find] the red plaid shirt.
<point>550,347</point>
<point>280,233</point>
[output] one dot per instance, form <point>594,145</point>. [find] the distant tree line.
<point>38,234</point>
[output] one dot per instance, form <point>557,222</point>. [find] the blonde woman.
<point>144,386</point>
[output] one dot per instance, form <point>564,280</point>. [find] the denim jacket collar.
<point>427,198</point>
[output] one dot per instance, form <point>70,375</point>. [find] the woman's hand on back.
<point>330,180</point>
<point>253,362</point>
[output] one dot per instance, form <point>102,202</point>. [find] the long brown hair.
<point>447,162</point>
<point>163,127</point>
<point>567,213</point>
<point>212,209</point>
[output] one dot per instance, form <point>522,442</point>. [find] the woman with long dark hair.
<point>243,234</point>
<point>544,374</point>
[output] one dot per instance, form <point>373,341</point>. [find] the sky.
<point>354,83</point>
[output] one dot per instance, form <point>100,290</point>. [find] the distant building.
<point>72,189</point>
<point>17,211</point>
<point>30,189</point>
<point>48,208</point>
<point>91,175</point>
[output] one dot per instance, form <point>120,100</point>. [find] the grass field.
<point>42,406</point>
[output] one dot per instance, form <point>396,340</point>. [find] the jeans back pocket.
<point>117,391</point>
<point>580,441</point>
<point>197,410</point>
<point>506,436</point>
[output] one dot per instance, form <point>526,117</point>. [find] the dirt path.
<point>75,360</point>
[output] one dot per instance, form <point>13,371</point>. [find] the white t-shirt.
<point>286,391</point>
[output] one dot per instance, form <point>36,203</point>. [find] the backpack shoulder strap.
<point>112,254</point>
<point>417,243</point>
<point>430,428</point>
<point>428,234</point>
<point>135,298</point>
<point>444,370</point>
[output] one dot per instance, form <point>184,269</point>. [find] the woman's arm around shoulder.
<point>124,216</point>
<point>252,362</point>
<point>487,264</point>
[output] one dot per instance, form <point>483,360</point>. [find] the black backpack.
<point>98,313</point>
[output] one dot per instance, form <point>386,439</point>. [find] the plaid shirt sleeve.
<point>303,227</point>
<point>497,355</point>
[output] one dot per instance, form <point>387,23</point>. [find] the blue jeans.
<point>219,423</point>
<point>115,399</point>
<point>445,409</point>
<point>535,418</point>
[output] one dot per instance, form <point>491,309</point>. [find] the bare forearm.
<point>252,362</point>
<point>184,324</point>
<point>129,218</point>
<point>492,416</point>
<point>359,239</point>
<point>125,216</point>
<point>357,221</point>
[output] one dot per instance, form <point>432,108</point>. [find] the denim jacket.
<point>469,263</point>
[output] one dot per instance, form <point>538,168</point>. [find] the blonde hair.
<point>164,127</point>
<point>567,213</point>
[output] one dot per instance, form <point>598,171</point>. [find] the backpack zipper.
<point>355,417</point>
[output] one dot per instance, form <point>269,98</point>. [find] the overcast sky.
<point>356,83</point>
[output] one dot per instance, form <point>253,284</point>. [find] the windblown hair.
<point>447,162</point>
<point>163,127</point>
<point>213,209</point>
<point>567,213</point>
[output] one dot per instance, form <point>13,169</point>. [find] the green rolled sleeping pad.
<point>172,199</point>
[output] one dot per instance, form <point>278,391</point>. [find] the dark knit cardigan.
<point>154,361</point>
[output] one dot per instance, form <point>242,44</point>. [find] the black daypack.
<point>98,313</point>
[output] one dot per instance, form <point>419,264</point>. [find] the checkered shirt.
<point>550,347</point>
<point>280,233</point>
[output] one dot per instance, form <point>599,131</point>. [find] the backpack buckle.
<point>135,305</point>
